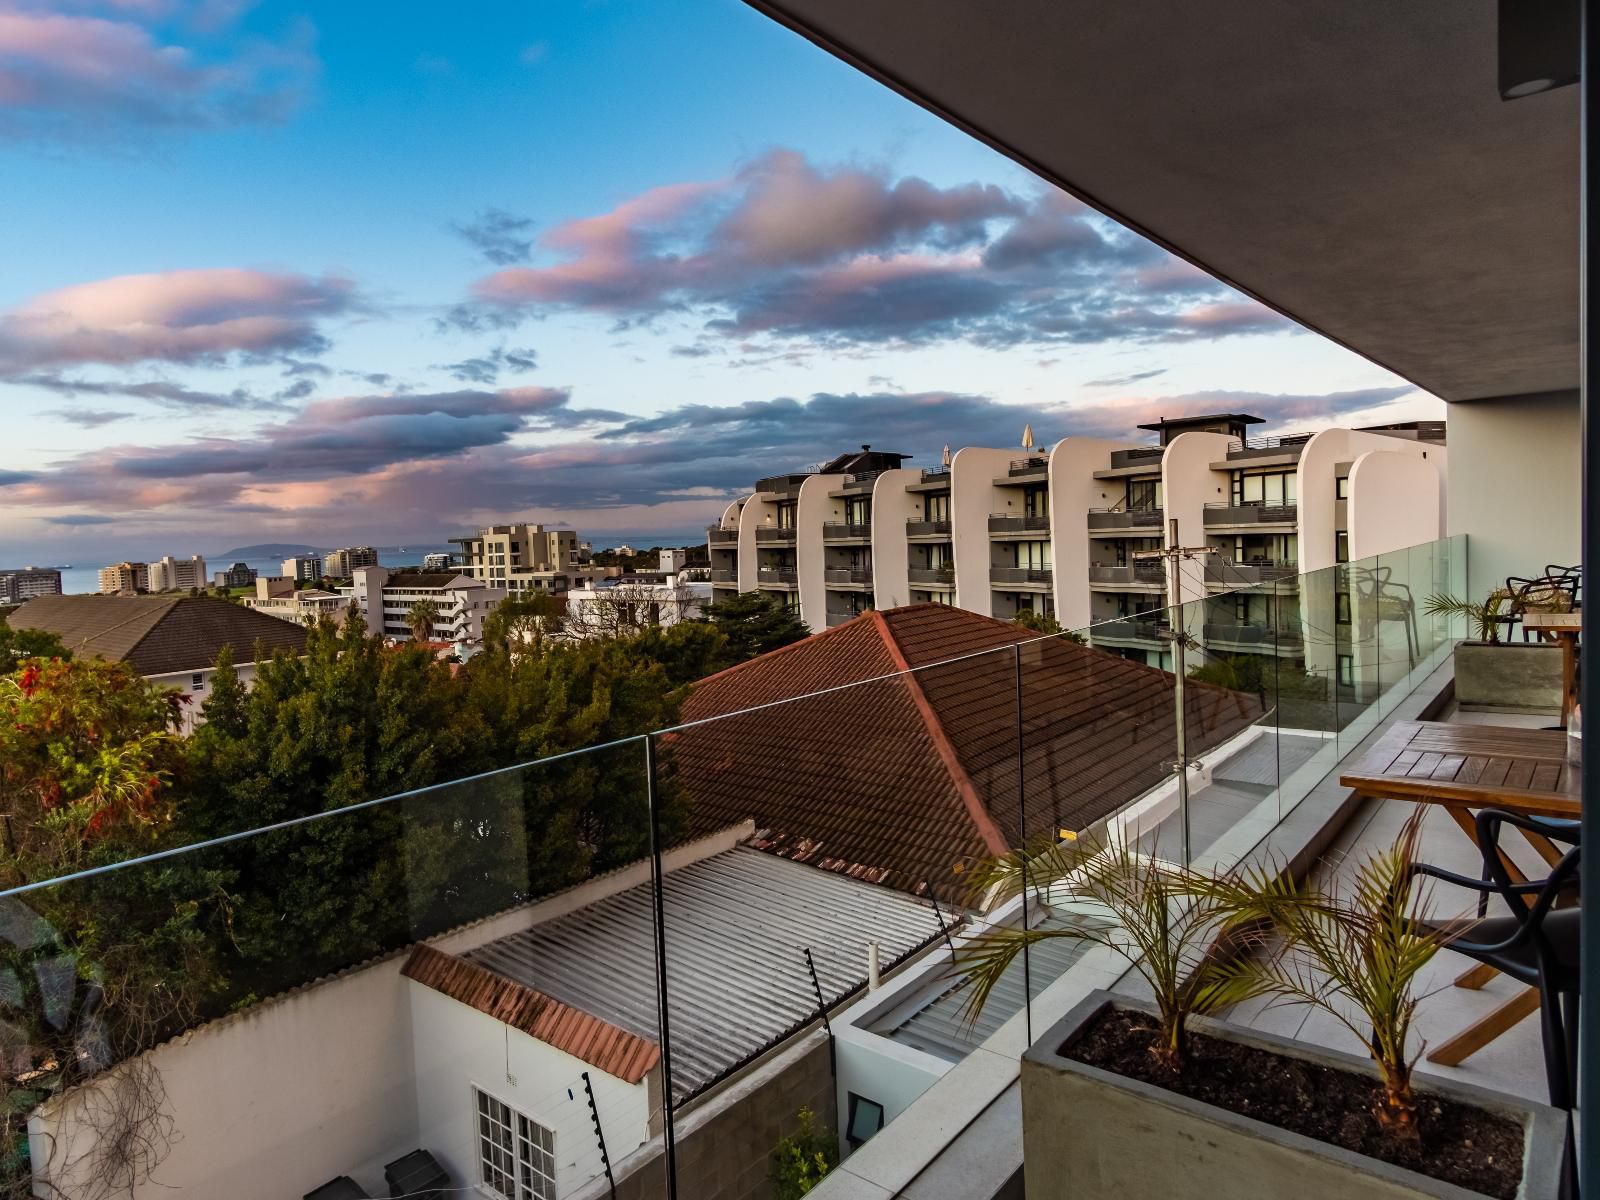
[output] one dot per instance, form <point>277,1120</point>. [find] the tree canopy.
<point>754,623</point>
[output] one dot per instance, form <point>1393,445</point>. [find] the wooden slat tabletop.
<point>1521,769</point>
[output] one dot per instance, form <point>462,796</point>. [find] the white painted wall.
<point>892,507</point>
<point>759,510</point>
<point>1315,486</point>
<point>1188,484</point>
<point>457,1048</point>
<point>1517,487</point>
<point>1394,503</point>
<point>199,692</point>
<point>973,497</point>
<point>1073,492</point>
<point>812,507</point>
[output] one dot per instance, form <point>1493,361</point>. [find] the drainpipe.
<point>873,980</point>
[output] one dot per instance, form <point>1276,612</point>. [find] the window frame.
<point>532,1156</point>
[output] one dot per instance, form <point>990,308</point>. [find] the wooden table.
<point>1563,628</point>
<point>1463,768</point>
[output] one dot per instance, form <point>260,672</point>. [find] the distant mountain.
<point>267,550</point>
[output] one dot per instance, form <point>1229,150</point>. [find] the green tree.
<point>19,644</point>
<point>420,619</point>
<point>526,622</point>
<point>754,623</point>
<point>1036,621</point>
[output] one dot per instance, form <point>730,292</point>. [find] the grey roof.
<point>738,925</point>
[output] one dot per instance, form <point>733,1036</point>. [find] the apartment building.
<point>239,575</point>
<point>1072,531</point>
<point>124,577</point>
<point>277,596</point>
<point>520,558</point>
<point>302,568</point>
<point>169,574</point>
<point>24,583</point>
<point>384,598</point>
<point>342,564</point>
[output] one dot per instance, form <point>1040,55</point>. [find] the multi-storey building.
<point>519,558</point>
<point>303,568</point>
<point>277,596</point>
<point>342,564</point>
<point>239,575</point>
<point>124,577</point>
<point>169,574</point>
<point>1071,531</point>
<point>24,583</point>
<point>385,598</point>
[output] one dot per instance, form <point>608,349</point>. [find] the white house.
<point>384,597</point>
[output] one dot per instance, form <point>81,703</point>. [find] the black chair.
<point>1537,944</point>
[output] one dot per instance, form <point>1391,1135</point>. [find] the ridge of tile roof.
<point>888,747</point>
<point>583,1035</point>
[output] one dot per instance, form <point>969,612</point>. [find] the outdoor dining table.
<point>1464,768</point>
<point>1565,628</point>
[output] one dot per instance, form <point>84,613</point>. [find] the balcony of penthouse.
<point>1035,468</point>
<point>1125,522</point>
<point>933,479</point>
<point>782,487</point>
<point>1280,450</point>
<point>1015,526</point>
<point>1144,575</point>
<point>1252,515</point>
<point>845,533</point>
<point>919,530</point>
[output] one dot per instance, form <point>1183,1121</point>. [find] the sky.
<point>350,273</point>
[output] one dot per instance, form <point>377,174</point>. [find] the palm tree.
<point>421,618</point>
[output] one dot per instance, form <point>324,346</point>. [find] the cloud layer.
<point>785,249</point>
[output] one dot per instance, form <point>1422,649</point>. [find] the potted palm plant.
<point>1504,676</point>
<point>1133,1097</point>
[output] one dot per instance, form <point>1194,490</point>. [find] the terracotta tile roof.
<point>158,635</point>
<point>600,1044</point>
<point>897,780</point>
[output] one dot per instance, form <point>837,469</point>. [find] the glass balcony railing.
<point>1011,523</point>
<point>639,956</point>
<point>782,535</point>
<point>918,528</point>
<point>843,531</point>
<point>1250,513</point>
<point>1116,519</point>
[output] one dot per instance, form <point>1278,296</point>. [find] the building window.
<point>1275,487</point>
<point>197,682</point>
<point>516,1156</point>
<point>1144,495</point>
<point>1346,666</point>
<point>937,506</point>
<point>1341,488</point>
<point>1341,608</point>
<point>1036,502</point>
<point>866,1118</point>
<point>1341,547</point>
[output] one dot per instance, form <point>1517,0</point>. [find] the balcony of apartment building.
<point>777,579</point>
<point>846,533</point>
<point>1226,574</point>
<point>919,529</point>
<point>1034,468</point>
<point>1026,526</point>
<point>1033,579</point>
<point>717,536</point>
<point>1279,450</point>
<point>1143,631</point>
<point>1140,575</point>
<point>775,535</point>
<point>724,577</point>
<point>940,579</point>
<point>854,578</point>
<point>1121,521</point>
<point>840,609</point>
<point>1251,514</point>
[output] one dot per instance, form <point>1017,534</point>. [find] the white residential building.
<point>169,574</point>
<point>384,598</point>
<point>444,561</point>
<point>303,568</point>
<point>342,564</point>
<point>277,596</point>
<point>1059,531</point>
<point>124,577</point>
<point>520,558</point>
<point>635,601</point>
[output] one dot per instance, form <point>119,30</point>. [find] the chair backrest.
<point>1529,908</point>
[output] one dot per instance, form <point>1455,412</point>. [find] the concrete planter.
<point>1091,1133</point>
<point>1511,677</point>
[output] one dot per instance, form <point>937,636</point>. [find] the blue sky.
<point>360,272</point>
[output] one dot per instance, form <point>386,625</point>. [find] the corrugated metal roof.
<point>738,925</point>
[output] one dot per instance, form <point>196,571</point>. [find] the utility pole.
<point>1175,556</point>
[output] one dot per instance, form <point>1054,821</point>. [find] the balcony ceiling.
<point>1347,162</point>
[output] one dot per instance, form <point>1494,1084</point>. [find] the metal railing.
<point>1135,455</point>
<point>1240,574</point>
<point>916,527</point>
<point>716,536</point>
<point>1012,523</point>
<point>1031,465</point>
<point>1282,441</point>
<point>775,533</point>
<point>935,474</point>
<point>719,576</point>
<point>1251,635</point>
<point>1251,512</point>
<point>862,481</point>
<point>778,575</point>
<point>1139,628</point>
<point>782,484</point>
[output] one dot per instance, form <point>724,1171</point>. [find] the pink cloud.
<point>171,316</point>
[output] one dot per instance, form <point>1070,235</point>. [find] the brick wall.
<point>725,1148</point>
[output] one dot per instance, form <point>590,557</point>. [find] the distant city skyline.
<point>591,263</point>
